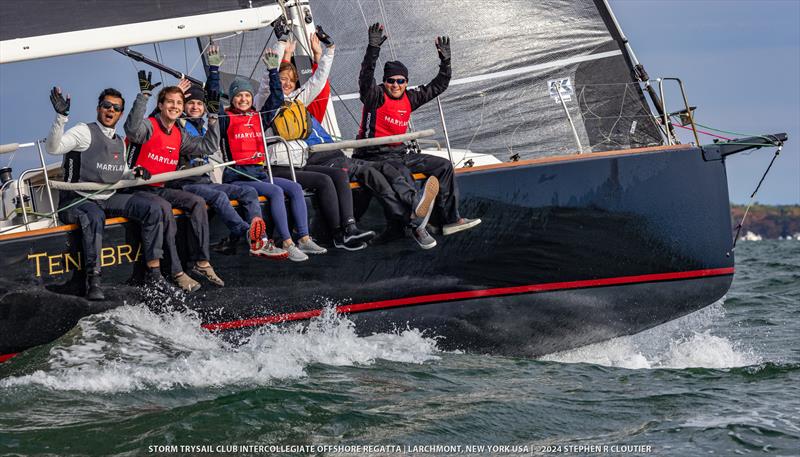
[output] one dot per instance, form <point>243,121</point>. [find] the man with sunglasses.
<point>387,111</point>
<point>95,153</point>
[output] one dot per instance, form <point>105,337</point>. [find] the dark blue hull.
<point>571,251</point>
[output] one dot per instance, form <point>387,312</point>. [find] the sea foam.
<point>683,343</point>
<point>131,348</point>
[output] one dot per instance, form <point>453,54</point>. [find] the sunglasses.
<point>105,104</point>
<point>395,80</point>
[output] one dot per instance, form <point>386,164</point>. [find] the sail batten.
<point>85,25</point>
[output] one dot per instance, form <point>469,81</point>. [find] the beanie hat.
<point>195,93</point>
<point>240,85</point>
<point>394,67</point>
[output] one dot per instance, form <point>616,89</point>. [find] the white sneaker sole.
<point>449,230</point>
<point>425,206</point>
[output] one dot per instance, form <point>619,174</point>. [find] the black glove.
<point>324,37</point>
<point>59,103</point>
<point>212,101</point>
<point>146,85</point>
<point>376,36</point>
<point>141,172</point>
<point>443,46</point>
<point>279,26</point>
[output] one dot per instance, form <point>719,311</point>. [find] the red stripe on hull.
<point>450,296</point>
<point>4,357</point>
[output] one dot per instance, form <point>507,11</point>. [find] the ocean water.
<point>722,381</point>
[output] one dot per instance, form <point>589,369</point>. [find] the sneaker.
<point>460,225</point>
<point>266,248</point>
<point>424,239</point>
<point>256,232</point>
<point>186,283</point>
<point>340,242</point>
<point>208,273</point>
<point>295,254</point>
<point>226,246</point>
<point>353,233</point>
<point>423,206</point>
<point>310,247</point>
<point>94,291</point>
<point>393,231</point>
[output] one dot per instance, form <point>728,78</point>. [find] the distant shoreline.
<point>768,221</point>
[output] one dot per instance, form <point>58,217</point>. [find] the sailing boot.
<point>94,292</point>
<point>209,274</point>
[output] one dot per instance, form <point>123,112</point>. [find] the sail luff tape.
<point>161,177</point>
<point>371,141</point>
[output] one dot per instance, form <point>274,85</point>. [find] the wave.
<point>131,348</point>
<point>687,342</point>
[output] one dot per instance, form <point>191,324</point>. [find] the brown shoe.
<point>186,283</point>
<point>208,273</point>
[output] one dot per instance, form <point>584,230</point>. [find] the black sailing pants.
<point>367,174</point>
<point>392,163</point>
<point>332,187</point>
<point>195,209</point>
<point>91,215</point>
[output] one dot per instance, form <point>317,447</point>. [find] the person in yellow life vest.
<point>156,144</point>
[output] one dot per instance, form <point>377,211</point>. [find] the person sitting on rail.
<point>243,141</point>
<point>156,143</point>
<point>95,153</point>
<point>217,195</point>
<point>286,107</point>
<point>387,111</point>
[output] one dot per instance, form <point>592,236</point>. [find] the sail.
<point>511,61</point>
<point>33,29</point>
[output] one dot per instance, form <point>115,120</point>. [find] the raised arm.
<point>264,88</point>
<point>137,129</point>
<point>368,89</point>
<point>427,92</point>
<point>317,81</point>
<point>77,138</point>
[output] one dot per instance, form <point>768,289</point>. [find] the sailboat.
<point>597,221</point>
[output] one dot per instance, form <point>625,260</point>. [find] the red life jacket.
<point>245,138</point>
<point>392,117</point>
<point>160,153</point>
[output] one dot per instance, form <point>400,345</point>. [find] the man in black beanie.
<point>387,111</point>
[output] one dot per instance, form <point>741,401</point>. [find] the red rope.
<point>704,133</point>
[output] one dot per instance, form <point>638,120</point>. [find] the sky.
<point>739,60</point>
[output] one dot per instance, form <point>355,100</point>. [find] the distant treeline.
<point>768,221</point>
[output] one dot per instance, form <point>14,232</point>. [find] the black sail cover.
<point>508,60</point>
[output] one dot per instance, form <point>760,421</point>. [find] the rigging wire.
<point>258,59</point>
<point>158,59</point>
<point>335,92</point>
<point>753,196</point>
<point>239,56</point>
